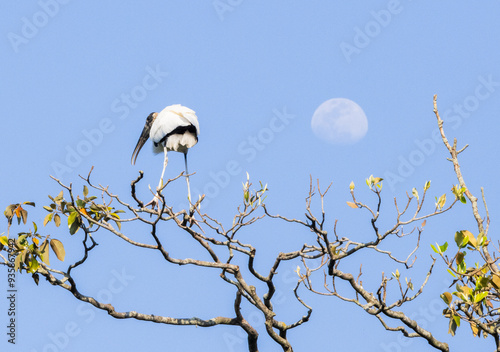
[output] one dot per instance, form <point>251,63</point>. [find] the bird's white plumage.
<point>175,128</point>
<point>169,119</point>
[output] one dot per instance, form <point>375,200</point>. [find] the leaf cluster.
<point>78,210</point>
<point>29,248</point>
<point>477,286</point>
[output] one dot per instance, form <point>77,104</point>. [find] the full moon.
<point>339,121</point>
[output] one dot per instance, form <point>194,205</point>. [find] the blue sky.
<point>79,80</point>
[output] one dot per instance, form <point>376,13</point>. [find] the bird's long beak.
<point>144,136</point>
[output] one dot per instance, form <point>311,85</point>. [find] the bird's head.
<point>144,135</point>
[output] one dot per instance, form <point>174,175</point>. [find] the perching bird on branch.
<point>174,128</point>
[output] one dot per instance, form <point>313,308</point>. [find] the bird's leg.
<point>187,179</point>
<point>165,162</point>
<point>155,202</point>
<point>189,218</point>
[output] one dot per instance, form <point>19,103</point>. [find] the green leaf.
<point>444,247</point>
<point>30,203</point>
<point>440,249</point>
<point>456,318</point>
<point>463,296</point>
<point>85,191</point>
<point>58,249</point>
<point>452,273</point>
<point>461,239</point>
<point>441,202</point>
<point>481,282</point>
<point>481,239</point>
<point>66,207</point>
<point>21,241</point>
<point>4,240</point>
<point>33,265</point>
<point>462,267</point>
<point>452,328</point>
<point>44,252</point>
<point>46,207</point>
<point>480,296</point>
<point>47,218</point>
<point>75,226</point>
<point>80,203</point>
<point>459,193</point>
<point>415,193</point>
<point>71,218</point>
<point>460,257</point>
<point>427,185</point>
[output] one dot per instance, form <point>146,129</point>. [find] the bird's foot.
<point>155,202</point>
<point>189,221</point>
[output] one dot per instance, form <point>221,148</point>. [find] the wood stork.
<point>174,128</point>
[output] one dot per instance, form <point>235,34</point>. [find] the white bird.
<point>175,128</point>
